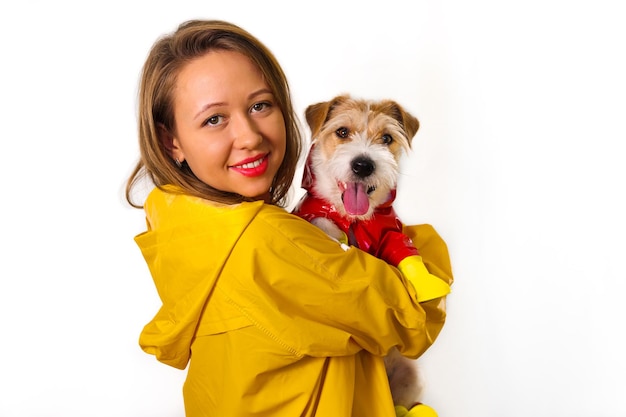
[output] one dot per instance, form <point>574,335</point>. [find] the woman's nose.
<point>245,132</point>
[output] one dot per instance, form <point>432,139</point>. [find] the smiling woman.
<point>245,285</point>
<point>207,111</point>
<point>229,129</point>
<point>519,162</point>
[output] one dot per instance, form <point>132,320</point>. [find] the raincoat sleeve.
<point>315,298</point>
<point>436,258</point>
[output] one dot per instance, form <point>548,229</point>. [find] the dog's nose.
<point>362,166</point>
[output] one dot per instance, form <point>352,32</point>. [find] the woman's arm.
<point>301,287</point>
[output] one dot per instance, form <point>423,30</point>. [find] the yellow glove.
<point>419,410</point>
<point>427,286</point>
<point>401,411</point>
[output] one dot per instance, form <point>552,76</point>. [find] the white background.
<point>519,164</point>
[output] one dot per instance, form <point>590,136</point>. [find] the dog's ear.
<point>317,114</point>
<point>406,119</point>
<point>410,123</point>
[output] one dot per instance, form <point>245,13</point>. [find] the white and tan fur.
<point>352,137</point>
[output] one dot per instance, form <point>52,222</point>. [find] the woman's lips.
<point>252,167</point>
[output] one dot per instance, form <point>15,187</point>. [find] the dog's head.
<point>357,146</point>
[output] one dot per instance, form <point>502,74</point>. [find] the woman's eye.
<point>342,132</point>
<point>213,120</point>
<point>257,107</point>
<point>387,139</point>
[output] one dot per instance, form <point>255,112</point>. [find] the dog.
<point>350,179</point>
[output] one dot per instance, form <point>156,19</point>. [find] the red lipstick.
<point>252,167</point>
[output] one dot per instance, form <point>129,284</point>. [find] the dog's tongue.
<point>355,199</point>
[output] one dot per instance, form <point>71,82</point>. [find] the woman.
<point>273,317</point>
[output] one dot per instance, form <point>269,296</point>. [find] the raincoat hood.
<point>183,278</point>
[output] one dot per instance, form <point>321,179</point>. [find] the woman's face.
<point>229,128</point>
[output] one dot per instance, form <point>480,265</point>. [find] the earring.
<point>178,163</point>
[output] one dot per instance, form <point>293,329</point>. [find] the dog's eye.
<point>387,139</point>
<point>342,132</point>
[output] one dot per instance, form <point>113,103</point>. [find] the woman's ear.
<point>170,143</point>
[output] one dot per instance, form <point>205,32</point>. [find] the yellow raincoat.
<point>278,319</point>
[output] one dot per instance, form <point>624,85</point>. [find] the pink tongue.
<point>355,199</point>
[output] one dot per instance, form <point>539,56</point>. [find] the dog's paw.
<point>418,410</point>
<point>427,286</point>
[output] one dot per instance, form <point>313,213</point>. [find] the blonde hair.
<point>167,57</point>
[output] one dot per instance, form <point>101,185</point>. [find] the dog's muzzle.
<point>362,166</point>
